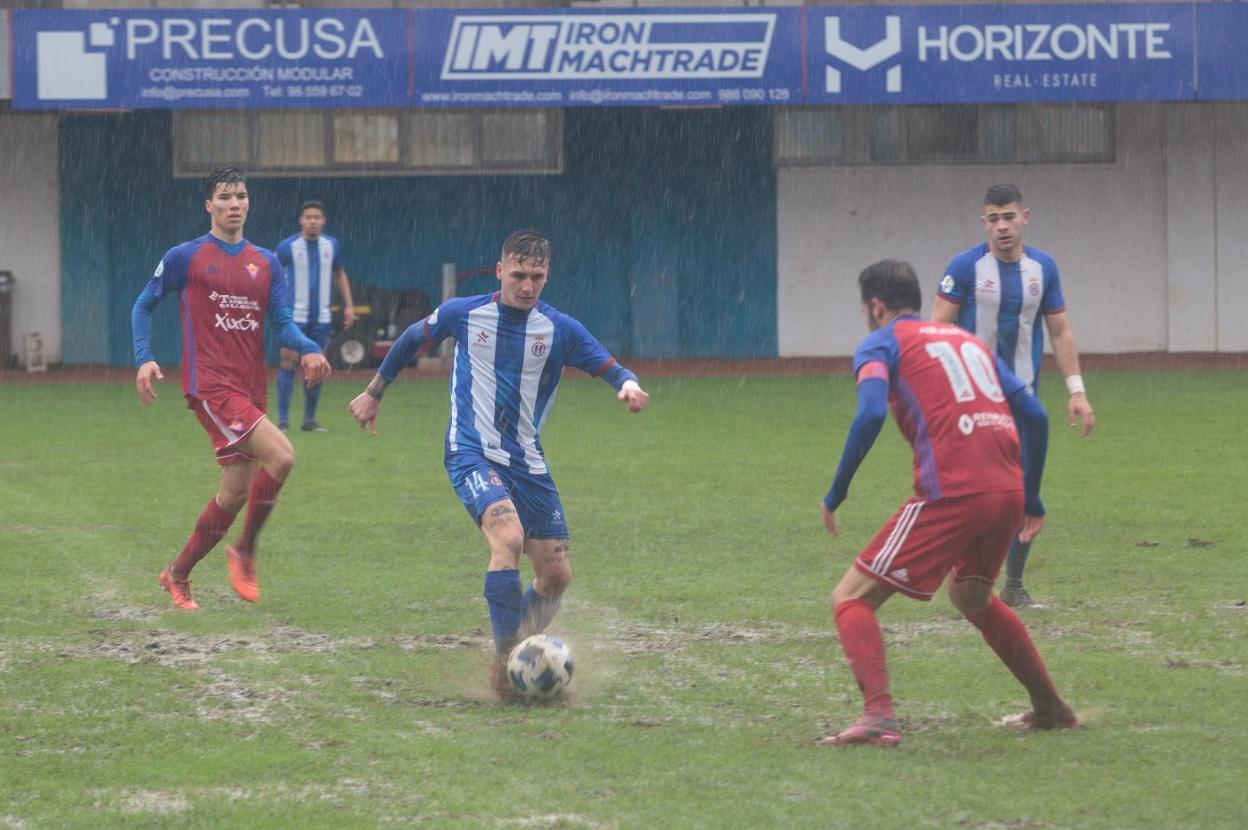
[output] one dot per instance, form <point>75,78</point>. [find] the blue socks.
<point>502,592</point>
<point>310,399</point>
<point>285,388</point>
<point>1016,561</point>
<point>537,611</point>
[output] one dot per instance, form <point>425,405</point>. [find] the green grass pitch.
<point>353,695</point>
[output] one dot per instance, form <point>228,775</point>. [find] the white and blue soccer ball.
<point>540,668</point>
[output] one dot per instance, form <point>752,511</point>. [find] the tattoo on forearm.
<point>377,387</point>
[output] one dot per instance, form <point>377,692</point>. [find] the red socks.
<point>260,500</point>
<point>209,528</point>
<point>1007,634</point>
<point>863,645</point>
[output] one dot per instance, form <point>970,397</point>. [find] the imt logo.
<point>66,70</point>
<point>616,46</point>
<point>862,59</point>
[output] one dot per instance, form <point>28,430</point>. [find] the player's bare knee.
<point>230,500</point>
<point>970,596</point>
<point>280,463</point>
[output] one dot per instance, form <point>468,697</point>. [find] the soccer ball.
<point>540,667</point>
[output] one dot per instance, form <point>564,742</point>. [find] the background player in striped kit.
<point>958,411</point>
<point>226,286</point>
<point>509,356</point>
<point>999,290</point>
<point>309,258</point>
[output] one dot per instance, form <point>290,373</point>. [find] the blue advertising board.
<point>1221,59</point>
<point>558,57</point>
<point>135,59</point>
<point>1000,53</point>
<point>617,57</point>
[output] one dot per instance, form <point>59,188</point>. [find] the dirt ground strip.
<point>699,367</point>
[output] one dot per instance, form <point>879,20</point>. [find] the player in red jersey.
<point>956,404</point>
<point>225,287</point>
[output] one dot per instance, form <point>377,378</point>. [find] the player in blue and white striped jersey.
<point>510,353</point>
<point>309,259</point>
<point>1000,290</point>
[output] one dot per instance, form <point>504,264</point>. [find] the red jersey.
<point>950,404</point>
<point>224,292</point>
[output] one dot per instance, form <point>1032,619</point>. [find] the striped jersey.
<point>950,405</point>
<point>224,292</point>
<point>310,268</point>
<point>1001,302</point>
<point>508,363</point>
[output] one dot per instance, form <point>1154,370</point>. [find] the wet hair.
<point>1003,194</point>
<point>526,246</point>
<point>311,203</point>
<point>226,175</point>
<point>893,283</point>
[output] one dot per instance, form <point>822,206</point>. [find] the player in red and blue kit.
<point>1000,290</point>
<point>509,357</point>
<point>957,405</point>
<point>225,287</point>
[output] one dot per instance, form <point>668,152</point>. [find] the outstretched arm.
<point>365,406</point>
<point>865,428</point>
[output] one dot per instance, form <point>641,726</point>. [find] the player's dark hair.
<point>226,175</point>
<point>311,203</point>
<point>893,283</point>
<point>1003,194</point>
<point>526,246</point>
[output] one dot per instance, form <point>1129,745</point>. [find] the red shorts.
<point>228,417</point>
<point>969,535</point>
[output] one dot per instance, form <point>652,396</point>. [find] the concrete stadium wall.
<point>663,224</point>
<point>1151,248</point>
<point>29,239</point>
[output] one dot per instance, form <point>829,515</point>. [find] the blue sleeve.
<point>1010,382</point>
<point>169,278</point>
<point>582,350</point>
<point>337,254</point>
<point>288,334</point>
<point>958,283</point>
<point>434,328</point>
<point>1033,432</point>
<point>282,252</point>
<point>279,286</point>
<point>880,345</point>
<point>141,323</point>
<point>1052,301</point>
<point>865,428</point>
<point>404,350</point>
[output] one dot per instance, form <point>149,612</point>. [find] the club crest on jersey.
<point>1034,288</point>
<point>252,269</point>
<point>539,346</point>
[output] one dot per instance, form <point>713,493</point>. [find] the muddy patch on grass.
<point>649,639</point>
<point>226,698</point>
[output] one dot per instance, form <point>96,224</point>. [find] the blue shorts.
<point>318,333</point>
<point>479,483</point>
